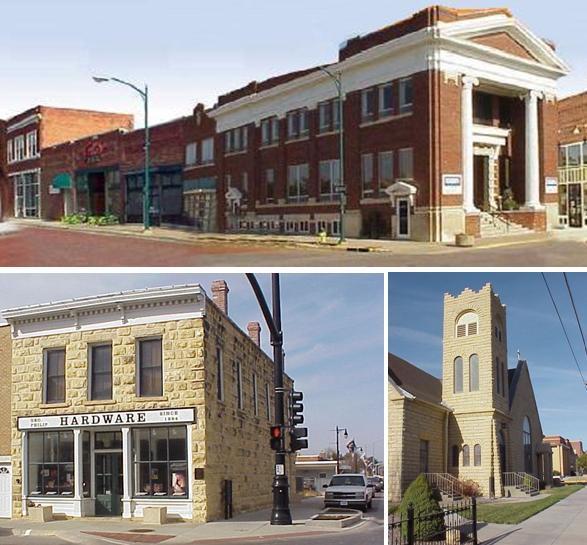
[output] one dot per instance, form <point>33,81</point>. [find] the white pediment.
<point>468,30</point>
<point>401,189</point>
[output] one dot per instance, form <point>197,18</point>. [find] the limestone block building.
<point>142,398</point>
<point>479,422</point>
<point>5,459</point>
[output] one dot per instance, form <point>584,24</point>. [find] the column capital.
<point>469,82</point>
<point>532,95</point>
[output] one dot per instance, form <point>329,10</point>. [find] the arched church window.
<point>477,455</point>
<point>466,456</point>
<point>467,324</point>
<point>458,375</point>
<point>527,445</point>
<point>474,373</point>
<point>455,456</point>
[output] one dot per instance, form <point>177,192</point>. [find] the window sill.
<point>235,153</point>
<point>200,165</point>
<point>54,405</point>
<point>384,120</point>
<point>92,402</point>
<point>328,133</point>
<point>269,146</point>
<point>149,398</point>
<point>300,139</point>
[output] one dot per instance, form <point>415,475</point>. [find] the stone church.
<point>479,423</point>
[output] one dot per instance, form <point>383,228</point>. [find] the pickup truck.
<point>349,490</point>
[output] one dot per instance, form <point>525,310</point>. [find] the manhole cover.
<point>141,530</point>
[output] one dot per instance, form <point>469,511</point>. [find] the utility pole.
<point>280,514</point>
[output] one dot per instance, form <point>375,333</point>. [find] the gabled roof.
<point>413,380</point>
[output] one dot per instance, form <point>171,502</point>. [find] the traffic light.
<point>298,439</point>
<point>296,408</point>
<point>298,436</point>
<point>276,435</point>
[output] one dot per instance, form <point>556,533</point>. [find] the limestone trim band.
<point>163,416</point>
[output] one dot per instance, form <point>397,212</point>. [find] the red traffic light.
<point>276,432</point>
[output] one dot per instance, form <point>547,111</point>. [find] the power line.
<point>565,330</point>
<point>575,310</point>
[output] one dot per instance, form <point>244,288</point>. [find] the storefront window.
<point>50,457</point>
<point>160,462</point>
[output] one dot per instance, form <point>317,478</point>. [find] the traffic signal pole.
<point>280,514</point>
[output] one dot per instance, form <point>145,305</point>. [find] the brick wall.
<point>5,191</point>
<point>62,124</point>
<point>572,115</point>
<point>5,405</point>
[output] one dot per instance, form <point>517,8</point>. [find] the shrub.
<point>75,219</point>
<point>556,473</point>
<point>80,218</point>
<point>471,489</point>
<point>509,202</point>
<point>425,502</point>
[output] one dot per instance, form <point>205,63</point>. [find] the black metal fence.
<point>452,525</point>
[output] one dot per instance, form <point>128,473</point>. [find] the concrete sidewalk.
<point>242,527</point>
<point>186,235</point>
<point>565,523</point>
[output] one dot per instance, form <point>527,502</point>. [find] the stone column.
<point>532,152</point>
<point>126,473</point>
<point>78,465</point>
<point>467,143</point>
<point>24,471</point>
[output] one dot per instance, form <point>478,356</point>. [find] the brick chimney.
<point>254,329</point>
<point>220,295</point>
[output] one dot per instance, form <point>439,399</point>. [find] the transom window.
<point>467,324</point>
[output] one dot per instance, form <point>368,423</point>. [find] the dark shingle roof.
<point>415,381</point>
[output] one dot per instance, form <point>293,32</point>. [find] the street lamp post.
<point>144,93</point>
<point>337,79</point>
<point>280,514</point>
<point>346,434</point>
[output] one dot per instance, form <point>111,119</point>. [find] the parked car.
<point>349,490</point>
<point>377,483</point>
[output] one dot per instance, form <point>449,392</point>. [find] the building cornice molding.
<point>29,120</point>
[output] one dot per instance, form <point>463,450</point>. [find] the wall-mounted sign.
<point>452,184</point>
<point>551,186</point>
<point>93,152</point>
<point>123,418</point>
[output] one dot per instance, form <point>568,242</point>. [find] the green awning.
<point>62,181</point>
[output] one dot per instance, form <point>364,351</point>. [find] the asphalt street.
<point>29,247</point>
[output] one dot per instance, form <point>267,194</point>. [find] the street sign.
<point>279,469</point>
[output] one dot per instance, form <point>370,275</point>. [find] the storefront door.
<point>108,484</point>
<point>403,218</point>
<point>575,206</point>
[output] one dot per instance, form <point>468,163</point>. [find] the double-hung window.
<point>207,151</point>
<point>297,183</point>
<point>54,375</point>
<point>367,174</point>
<point>406,164</point>
<point>368,104</point>
<point>329,179</point>
<point>266,132</point>
<point>191,157</point>
<point>101,372</point>
<point>31,144</point>
<point>386,100</point>
<point>385,170</point>
<point>324,116</point>
<point>297,124</point>
<point>405,96</point>
<point>150,368</point>
<point>269,185</point>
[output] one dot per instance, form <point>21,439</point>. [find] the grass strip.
<point>514,513</point>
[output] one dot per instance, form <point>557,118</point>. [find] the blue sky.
<point>333,335</point>
<point>415,333</point>
<point>193,51</point>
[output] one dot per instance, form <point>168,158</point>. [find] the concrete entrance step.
<point>494,226</point>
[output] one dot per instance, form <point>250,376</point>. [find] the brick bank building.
<point>135,399</point>
<point>450,126</point>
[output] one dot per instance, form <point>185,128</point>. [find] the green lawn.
<point>514,513</point>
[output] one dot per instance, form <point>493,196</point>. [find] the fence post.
<point>410,524</point>
<point>474,500</point>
